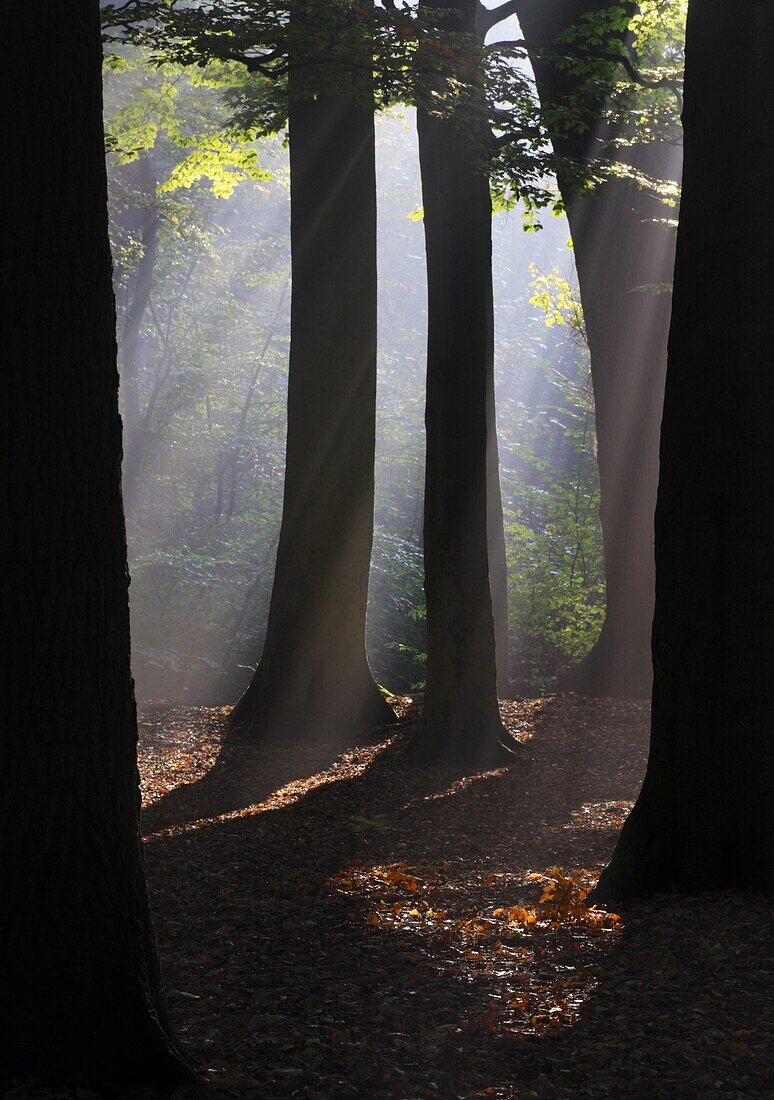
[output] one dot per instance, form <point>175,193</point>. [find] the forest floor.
<point>344,926</point>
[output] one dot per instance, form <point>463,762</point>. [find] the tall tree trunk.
<point>134,428</point>
<point>461,719</point>
<point>627,332</point>
<point>703,820</point>
<point>313,679</point>
<point>78,964</point>
<point>621,243</point>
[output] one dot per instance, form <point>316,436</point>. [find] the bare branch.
<point>254,64</point>
<point>486,18</point>
<point>526,133</point>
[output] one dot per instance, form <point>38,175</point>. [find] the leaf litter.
<point>352,927</point>
<point>339,925</point>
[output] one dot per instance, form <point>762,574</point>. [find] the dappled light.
<point>600,815</point>
<point>461,784</point>
<point>186,754</point>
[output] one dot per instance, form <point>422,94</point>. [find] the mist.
<point>204,443</point>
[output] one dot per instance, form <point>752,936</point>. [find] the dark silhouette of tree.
<point>624,252</point>
<point>313,679</point>
<point>461,719</point>
<point>703,820</point>
<point>79,970</point>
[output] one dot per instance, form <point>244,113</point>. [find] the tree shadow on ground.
<point>244,772</point>
<point>286,982</point>
<point>681,1009</point>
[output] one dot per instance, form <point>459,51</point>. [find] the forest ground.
<point>340,925</point>
<point>344,926</point>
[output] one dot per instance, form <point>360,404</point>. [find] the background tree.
<point>78,960</point>
<point>314,679</point>
<point>460,720</point>
<point>623,243</point>
<point>703,819</point>
<point>147,221</point>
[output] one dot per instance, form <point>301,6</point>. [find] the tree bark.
<point>621,243</point>
<point>78,964</point>
<point>461,720</point>
<point>313,680</point>
<point>703,820</point>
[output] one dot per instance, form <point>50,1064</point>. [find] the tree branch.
<point>527,133</point>
<point>486,18</point>
<point>254,64</point>
<point>593,55</point>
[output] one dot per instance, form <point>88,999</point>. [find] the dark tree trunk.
<point>461,720</point>
<point>620,243</point>
<point>78,965</point>
<point>703,820</point>
<point>314,679</point>
<point>142,285</point>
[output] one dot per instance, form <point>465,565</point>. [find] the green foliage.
<point>559,302</point>
<point>627,59</point>
<point>630,61</point>
<point>551,494</point>
<point>180,113</point>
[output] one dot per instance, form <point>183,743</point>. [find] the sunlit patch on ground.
<point>180,745</point>
<point>461,784</point>
<point>501,943</point>
<point>348,766</point>
<point>600,815</point>
<point>177,745</point>
<point>520,717</point>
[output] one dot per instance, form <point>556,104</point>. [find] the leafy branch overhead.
<point>630,60</point>
<point>178,111</point>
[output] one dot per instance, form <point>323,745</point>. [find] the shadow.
<point>244,772</point>
<point>273,973</point>
<point>681,1010</point>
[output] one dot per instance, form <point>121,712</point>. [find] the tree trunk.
<point>703,820</point>
<point>621,243</point>
<point>461,720</point>
<point>314,680</point>
<point>78,964</point>
<point>627,332</point>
